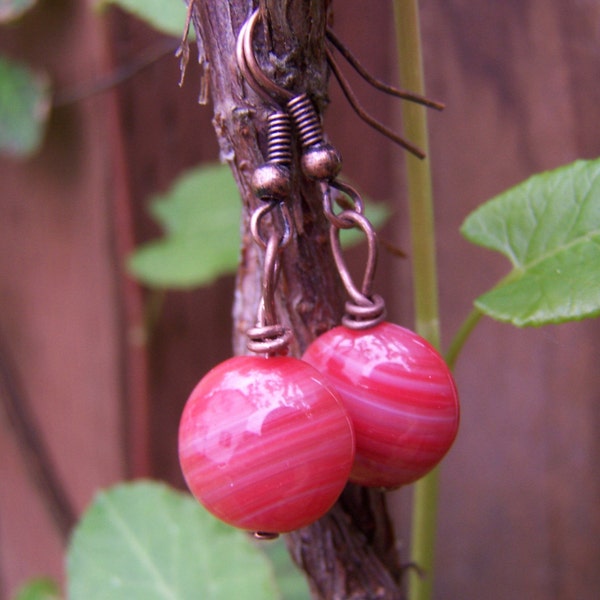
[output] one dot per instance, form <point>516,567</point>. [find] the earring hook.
<point>250,68</point>
<point>272,92</point>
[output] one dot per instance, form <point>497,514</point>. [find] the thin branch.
<point>366,117</point>
<point>143,60</point>
<point>34,450</point>
<point>376,83</point>
<point>350,552</point>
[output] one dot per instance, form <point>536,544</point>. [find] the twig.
<point>144,59</point>
<point>376,83</point>
<point>34,450</point>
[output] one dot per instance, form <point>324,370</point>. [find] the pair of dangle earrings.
<point>267,441</point>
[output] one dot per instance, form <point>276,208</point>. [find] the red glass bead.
<point>264,444</point>
<point>400,396</point>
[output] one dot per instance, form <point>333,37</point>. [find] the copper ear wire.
<point>269,336</point>
<point>270,91</point>
<point>364,309</point>
<point>250,68</point>
<point>271,181</point>
<point>321,162</point>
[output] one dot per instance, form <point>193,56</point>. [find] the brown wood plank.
<point>520,500</point>
<point>60,294</point>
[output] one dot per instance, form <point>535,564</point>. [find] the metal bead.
<point>271,181</point>
<point>321,162</point>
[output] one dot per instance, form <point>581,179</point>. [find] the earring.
<point>397,389</point>
<point>264,443</point>
<point>267,441</point>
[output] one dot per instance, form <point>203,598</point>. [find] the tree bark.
<point>349,553</point>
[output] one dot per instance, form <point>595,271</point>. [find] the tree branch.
<point>350,553</point>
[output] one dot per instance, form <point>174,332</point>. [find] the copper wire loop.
<point>357,203</point>
<point>265,332</point>
<point>363,317</point>
<point>364,309</point>
<point>269,336</point>
<point>359,296</point>
<point>267,312</point>
<point>267,340</point>
<point>256,224</point>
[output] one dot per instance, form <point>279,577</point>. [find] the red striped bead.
<point>400,396</point>
<point>264,445</point>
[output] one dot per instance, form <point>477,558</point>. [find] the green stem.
<point>462,335</point>
<point>466,328</point>
<point>420,197</point>
<point>423,530</point>
<point>424,272</point>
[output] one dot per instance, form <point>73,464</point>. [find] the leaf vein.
<point>139,550</point>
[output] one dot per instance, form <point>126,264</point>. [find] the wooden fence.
<point>520,504</point>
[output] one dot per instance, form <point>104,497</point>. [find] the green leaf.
<point>13,9</point>
<point>42,588</point>
<point>24,108</point>
<point>201,218</point>
<point>166,16</point>
<point>549,228</point>
<point>145,541</point>
<point>200,215</point>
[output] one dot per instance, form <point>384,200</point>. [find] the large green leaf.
<point>39,589</point>
<point>167,16</point>
<point>144,541</point>
<point>13,9</point>
<point>24,108</point>
<point>201,218</point>
<point>549,228</point>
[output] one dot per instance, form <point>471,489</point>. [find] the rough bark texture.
<point>350,552</point>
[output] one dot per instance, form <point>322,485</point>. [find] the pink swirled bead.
<point>264,444</point>
<point>400,396</point>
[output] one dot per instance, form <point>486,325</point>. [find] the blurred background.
<point>102,393</point>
